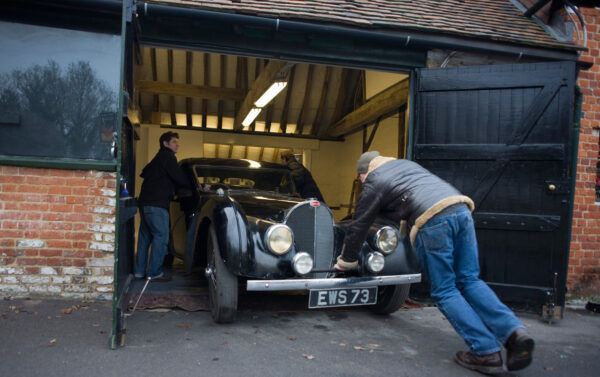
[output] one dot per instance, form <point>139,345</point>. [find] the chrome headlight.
<point>279,239</point>
<point>386,239</point>
<point>375,261</point>
<point>302,263</point>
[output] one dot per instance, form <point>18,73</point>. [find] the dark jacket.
<point>161,176</point>
<point>398,190</point>
<point>305,184</point>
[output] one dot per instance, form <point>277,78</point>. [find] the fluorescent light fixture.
<point>270,93</point>
<point>251,116</point>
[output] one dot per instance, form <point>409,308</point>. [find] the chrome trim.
<point>306,284</point>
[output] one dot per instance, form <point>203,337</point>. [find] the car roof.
<point>232,162</point>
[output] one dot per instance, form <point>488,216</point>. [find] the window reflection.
<point>64,106</point>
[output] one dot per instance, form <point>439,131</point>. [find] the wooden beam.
<point>286,105</point>
<point>339,102</point>
<point>223,74</point>
<point>307,91</point>
<point>191,91</point>
<point>259,86</point>
<point>155,100</point>
<point>319,116</point>
<point>391,99</point>
<point>171,98</point>
<point>206,83</point>
<point>189,61</point>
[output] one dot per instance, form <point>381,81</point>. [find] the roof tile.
<point>491,19</point>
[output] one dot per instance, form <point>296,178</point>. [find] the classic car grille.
<point>313,233</point>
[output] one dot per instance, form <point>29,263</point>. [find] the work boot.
<point>488,364</point>
<point>519,350</point>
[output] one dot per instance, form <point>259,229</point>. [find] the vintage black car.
<point>244,225</point>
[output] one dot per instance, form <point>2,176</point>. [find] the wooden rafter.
<point>206,83</point>
<point>339,103</point>
<point>260,154</point>
<point>286,105</point>
<point>381,104</point>
<point>171,98</point>
<point>257,67</point>
<point>261,84</point>
<point>275,154</point>
<point>223,80</point>
<point>189,61</point>
<point>191,91</point>
<point>319,116</point>
<point>155,100</point>
<point>307,90</point>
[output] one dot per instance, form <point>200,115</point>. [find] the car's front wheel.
<point>222,284</point>
<point>390,298</point>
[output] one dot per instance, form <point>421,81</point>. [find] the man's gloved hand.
<point>342,265</point>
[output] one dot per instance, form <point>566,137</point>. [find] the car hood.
<point>264,204</point>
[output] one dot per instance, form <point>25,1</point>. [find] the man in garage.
<point>161,176</point>
<point>305,183</point>
<point>443,235</point>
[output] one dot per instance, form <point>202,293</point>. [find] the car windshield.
<point>277,180</point>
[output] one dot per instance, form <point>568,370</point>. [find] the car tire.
<point>390,298</point>
<point>222,284</point>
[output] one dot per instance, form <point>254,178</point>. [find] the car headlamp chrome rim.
<point>302,263</point>
<point>386,239</point>
<point>375,262</point>
<point>279,239</point>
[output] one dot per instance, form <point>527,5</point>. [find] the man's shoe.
<point>488,364</point>
<point>162,278</point>
<point>519,350</point>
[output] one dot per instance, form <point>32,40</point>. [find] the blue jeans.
<point>154,229</point>
<point>447,249</point>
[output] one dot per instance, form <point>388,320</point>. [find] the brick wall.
<point>56,233</point>
<point>584,262</point>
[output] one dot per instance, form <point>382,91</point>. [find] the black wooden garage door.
<point>502,135</point>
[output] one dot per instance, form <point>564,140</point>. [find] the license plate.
<point>327,298</point>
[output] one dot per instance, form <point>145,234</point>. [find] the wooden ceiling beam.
<point>191,91</point>
<point>171,98</point>
<point>206,84</point>
<point>262,83</point>
<point>386,102</point>
<point>286,105</point>
<point>307,91</point>
<point>155,100</point>
<point>317,123</point>
<point>223,80</point>
<point>189,61</point>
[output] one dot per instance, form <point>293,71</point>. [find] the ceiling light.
<point>270,93</point>
<point>251,116</point>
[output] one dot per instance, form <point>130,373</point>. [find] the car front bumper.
<point>327,283</point>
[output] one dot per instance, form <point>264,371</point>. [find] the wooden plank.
<point>206,83</point>
<point>482,152</point>
<point>259,86</point>
<point>191,91</point>
<point>223,77</point>
<point>307,92</point>
<point>171,98</point>
<point>286,105</point>
<point>324,90</point>
<point>339,103</point>
<point>383,103</point>
<point>189,61</point>
<point>155,100</point>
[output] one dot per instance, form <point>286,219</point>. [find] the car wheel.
<point>390,298</point>
<point>222,284</point>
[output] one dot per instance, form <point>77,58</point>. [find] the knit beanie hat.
<point>362,166</point>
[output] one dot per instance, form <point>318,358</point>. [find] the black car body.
<point>244,224</point>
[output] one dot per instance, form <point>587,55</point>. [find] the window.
<point>58,92</point>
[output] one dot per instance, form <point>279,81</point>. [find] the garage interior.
<point>327,114</point>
